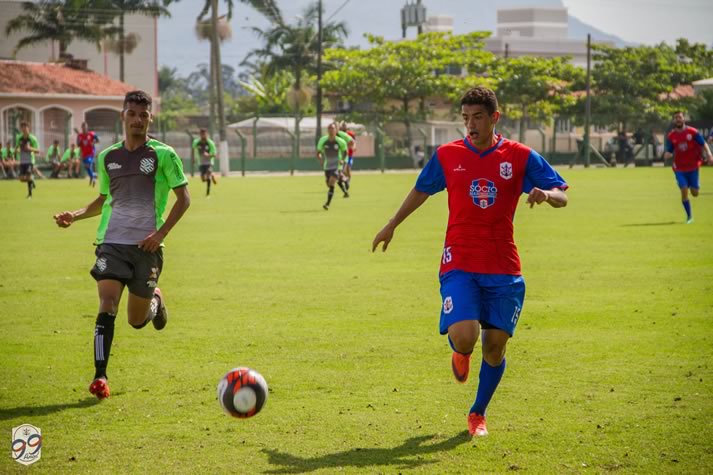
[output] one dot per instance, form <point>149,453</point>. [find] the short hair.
<point>675,113</point>
<point>137,97</point>
<point>24,123</point>
<point>482,96</point>
<point>202,130</point>
<point>55,141</point>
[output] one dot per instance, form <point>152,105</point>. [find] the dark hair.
<point>678,112</point>
<point>482,96</point>
<point>137,97</point>
<point>24,123</point>
<point>202,129</point>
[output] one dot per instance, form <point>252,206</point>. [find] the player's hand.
<point>152,242</point>
<point>64,219</point>
<point>385,236</point>
<point>537,196</point>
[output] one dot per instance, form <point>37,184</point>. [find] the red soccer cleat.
<point>476,425</point>
<point>460,364</point>
<point>100,388</point>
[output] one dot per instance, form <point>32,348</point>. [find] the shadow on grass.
<point>27,411</point>
<point>406,455</point>
<point>668,223</point>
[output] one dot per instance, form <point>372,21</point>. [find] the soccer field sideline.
<point>608,370</point>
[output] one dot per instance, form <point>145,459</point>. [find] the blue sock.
<point>489,379</point>
<point>687,207</point>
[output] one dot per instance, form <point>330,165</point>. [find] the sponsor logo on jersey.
<point>113,166</point>
<point>683,146</point>
<point>484,193</point>
<point>506,170</point>
<point>459,168</point>
<point>146,165</point>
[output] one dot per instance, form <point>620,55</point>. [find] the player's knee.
<point>463,341</point>
<point>694,191</point>
<point>138,321</point>
<point>494,354</point>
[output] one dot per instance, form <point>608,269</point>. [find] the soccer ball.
<point>242,392</point>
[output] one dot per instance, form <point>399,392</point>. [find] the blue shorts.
<point>350,161</point>
<point>495,300</point>
<point>88,161</point>
<point>687,179</point>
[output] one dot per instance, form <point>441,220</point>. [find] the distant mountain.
<point>578,30</point>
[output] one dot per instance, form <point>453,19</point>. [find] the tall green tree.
<point>294,47</point>
<point>391,80</point>
<point>533,88</point>
<point>62,21</point>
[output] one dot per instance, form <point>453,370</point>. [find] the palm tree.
<point>267,8</point>
<point>55,20</point>
<point>296,47</point>
<point>119,8</point>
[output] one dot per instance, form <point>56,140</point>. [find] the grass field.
<point>611,368</point>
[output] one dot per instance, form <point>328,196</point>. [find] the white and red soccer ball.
<point>242,392</point>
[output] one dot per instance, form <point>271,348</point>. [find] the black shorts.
<point>331,173</point>
<point>26,169</point>
<point>137,269</point>
<point>205,169</point>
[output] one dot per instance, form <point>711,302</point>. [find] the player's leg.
<point>503,297</point>
<point>459,319</point>
<point>331,176</point>
<point>682,182</point>
<point>88,162</point>
<point>146,303</point>
<point>693,182</point>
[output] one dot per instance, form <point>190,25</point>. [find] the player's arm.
<point>668,149</point>
<point>555,197</point>
<point>705,150</point>
<point>320,149</point>
<point>66,218</point>
<point>412,202</point>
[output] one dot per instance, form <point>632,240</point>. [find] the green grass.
<point>611,368</point>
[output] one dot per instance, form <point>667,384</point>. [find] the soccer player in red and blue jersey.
<point>686,145</point>
<point>481,282</point>
<point>86,141</point>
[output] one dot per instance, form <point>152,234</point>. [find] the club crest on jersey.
<point>506,170</point>
<point>447,305</point>
<point>689,137</point>
<point>484,192</point>
<point>146,165</point>
<point>101,264</point>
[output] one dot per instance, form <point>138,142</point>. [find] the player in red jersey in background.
<point>86,141</point>
<point>686,145</point>
<point>481,282</point>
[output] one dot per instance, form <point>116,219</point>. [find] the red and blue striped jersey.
<point>483,192</point>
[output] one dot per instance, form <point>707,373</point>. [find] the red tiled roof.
<point>50,78</point>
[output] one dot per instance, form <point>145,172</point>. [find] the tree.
<point>120,8</point>
<point>535,88</point>
<point>268,8</point>
<point>267,93</point>
<point>391,80</point>
<point>295,48</point>
<point>55,20</point>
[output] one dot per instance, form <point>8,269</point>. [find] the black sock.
<point>346,183</point>
<point>103,335</point>
<point>207,190</point>
<point>341,186</point>
<point>330,193</point>
<point>29,188</point>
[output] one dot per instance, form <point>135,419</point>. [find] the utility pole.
<point>223,147</point>
<point>588,103</point>
<point>319,74</point>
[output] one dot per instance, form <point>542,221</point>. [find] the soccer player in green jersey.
<point>7,155</point>
<point>350,138</point>
<point>70,159</point>
<point>135,180</point>
<point>331,151</point>
<point>204,149</point>
<point>26,146</point>
<point>54,156</point>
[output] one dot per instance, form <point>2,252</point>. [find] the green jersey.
<point>68,155</point>
<point>54,153</point>
<point>22,143</point>
<point>345,136</point>
<point>136,185</point>
<point>333,152</point>
<point>202,147</point>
